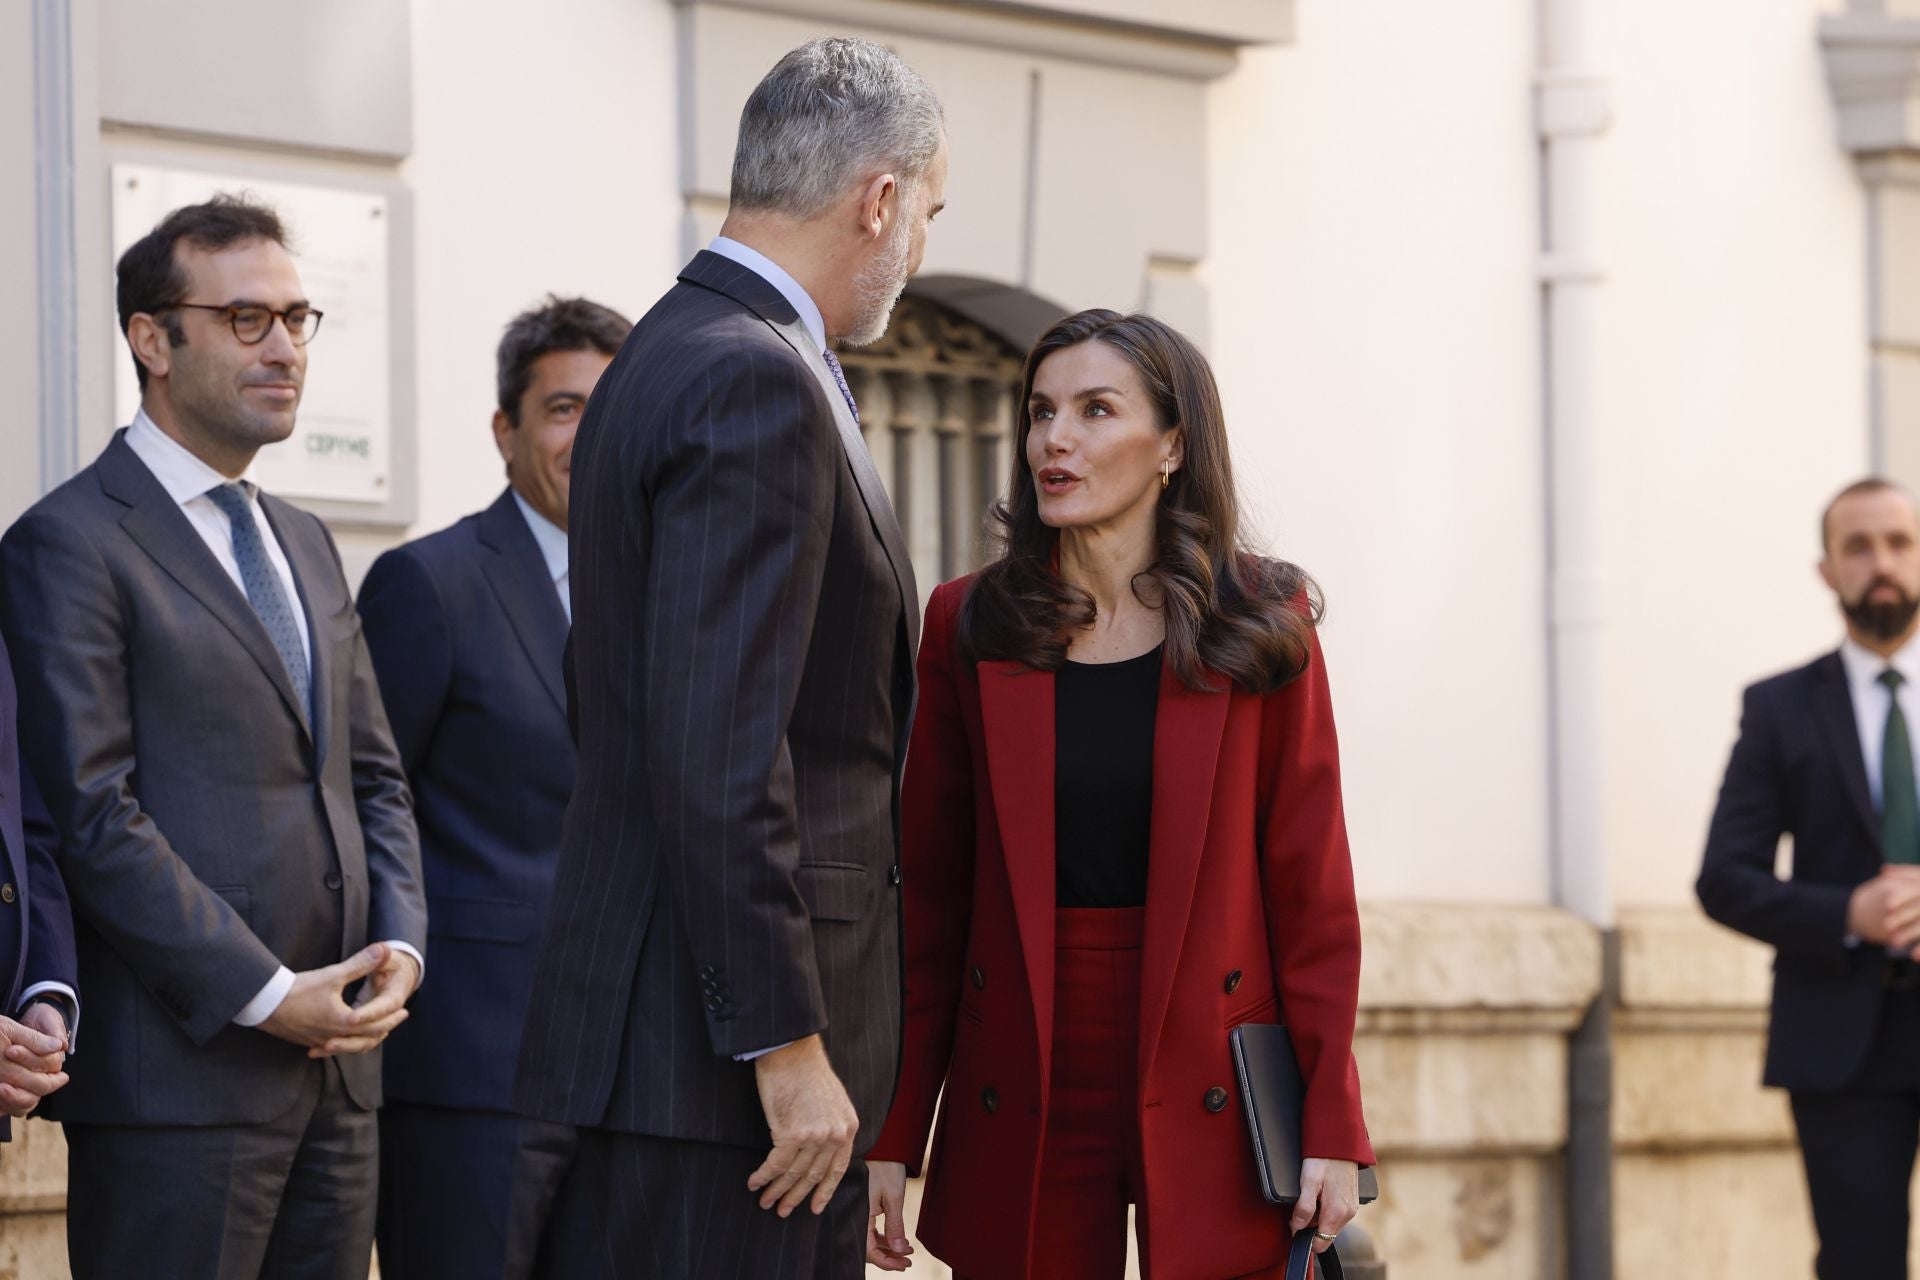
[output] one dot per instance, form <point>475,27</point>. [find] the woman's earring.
<point>1166,472</point>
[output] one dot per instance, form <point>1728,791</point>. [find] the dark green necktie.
<point>1899,805</point>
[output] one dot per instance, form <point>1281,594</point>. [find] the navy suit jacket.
<point>1796,770</point>
<point>467,631</point>
<point>36,926</point>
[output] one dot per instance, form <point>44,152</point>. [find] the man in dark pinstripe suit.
<point>717,999</point>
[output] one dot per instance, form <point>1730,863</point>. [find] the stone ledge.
<point>1518,960</point>
<point>1674,958</point>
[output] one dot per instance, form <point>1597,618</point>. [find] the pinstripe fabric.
<point>742,646</point>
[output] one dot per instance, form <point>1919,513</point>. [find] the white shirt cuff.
<point>262,1006</point>
<point>58,989</point>
<point>760,1053</point>
<point>418,959</point>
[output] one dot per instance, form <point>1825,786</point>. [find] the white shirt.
<point>552,540</point>
<point>1871,703</point>
<point>770,271</point>
<point>186,479</point>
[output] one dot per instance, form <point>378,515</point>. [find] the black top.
<point>1103,780</point>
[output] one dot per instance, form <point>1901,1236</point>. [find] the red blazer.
<point>1248,870</point>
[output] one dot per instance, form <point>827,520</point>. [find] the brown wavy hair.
<point>1229,612</point>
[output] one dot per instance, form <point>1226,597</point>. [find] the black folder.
<point>1274,1095</point>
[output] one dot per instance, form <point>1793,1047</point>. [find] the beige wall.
<point>1373,269</point>
<point>545,158</point>
<point>1376,336</point>
<point>1733,335</point>
<point>20,302</point>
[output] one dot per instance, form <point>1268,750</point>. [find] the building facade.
<point>1545,327</point>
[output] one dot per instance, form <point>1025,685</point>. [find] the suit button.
<point>333,880</point>
<point>1233,982</point>
<point>990,1099</point>
<point>1216,1099</point>
<point>6,893</point>
<point>706,973</point>
<point>974,975</point>
<point>715,1003</point>
<point>893,874</point>
<point>711,988</point>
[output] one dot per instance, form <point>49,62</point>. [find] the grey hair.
<point>829,114</point>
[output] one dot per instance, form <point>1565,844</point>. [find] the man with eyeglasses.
<point>235,827</point>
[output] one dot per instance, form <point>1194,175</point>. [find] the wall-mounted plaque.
<point>341,448</point>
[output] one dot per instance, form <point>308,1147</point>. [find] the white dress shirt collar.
<point>770,271</point>
<point>180,472</point>
<point>551,537</point>
<point>1864,665</point>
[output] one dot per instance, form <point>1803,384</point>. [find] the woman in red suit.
<point>1123,838</point>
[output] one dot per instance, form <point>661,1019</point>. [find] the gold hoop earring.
<point>1166,472</point>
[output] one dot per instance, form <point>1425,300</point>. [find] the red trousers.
<point>1090,1169</point>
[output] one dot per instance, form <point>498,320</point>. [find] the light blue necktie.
<point>840,376</point>
<point>263,588</point>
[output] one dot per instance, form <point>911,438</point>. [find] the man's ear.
<point>503,435</point>
<point>151,345</point>
<point>1825,567</point>
<point>879,205</point>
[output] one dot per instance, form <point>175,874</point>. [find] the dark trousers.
<point>640,1208</point>
<point>291,1199</point>
<point>446,1187</point>
<point>1858,1146</point>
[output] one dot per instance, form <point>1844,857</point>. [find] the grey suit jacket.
<point>209,832</point>
<point>743,634</point>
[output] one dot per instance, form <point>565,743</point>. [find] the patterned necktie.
<point>264,592</point>
<point>840,376</point>
<point>1899,805</point>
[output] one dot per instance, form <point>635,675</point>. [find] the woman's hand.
<point>887,1198</point>
<point>1329,1197</point>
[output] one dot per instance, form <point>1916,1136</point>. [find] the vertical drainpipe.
<point>1573,113</point>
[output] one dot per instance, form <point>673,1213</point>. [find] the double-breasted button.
<point>1233,982</point>
<point>333,880</point>
<point>990,1099</point>
<point>1216,1099</point>
<point>7,894</point>
<point>974,976</point>
<point>893,874</point>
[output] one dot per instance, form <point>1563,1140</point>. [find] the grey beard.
<point>878,286</point>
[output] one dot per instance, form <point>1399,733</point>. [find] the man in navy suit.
<point>467,628</point>
<point>1827,755</point>
<point>38,972</point>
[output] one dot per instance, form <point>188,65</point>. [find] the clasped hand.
<point>34,1060</point>
<point>1886,910</point>
<point>316,1014</point>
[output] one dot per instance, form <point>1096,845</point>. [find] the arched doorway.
<point>936,399</point>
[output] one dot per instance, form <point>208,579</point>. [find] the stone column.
<point>916,474</point>
<point>1873,69</point>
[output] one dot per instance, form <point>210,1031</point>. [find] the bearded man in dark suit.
<point>1826,754</point>
<point>717,1001</point>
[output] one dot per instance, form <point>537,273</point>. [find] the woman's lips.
<point>1057,480</point>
